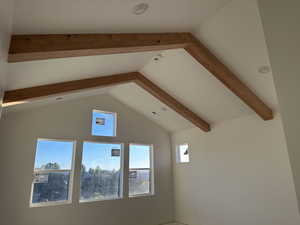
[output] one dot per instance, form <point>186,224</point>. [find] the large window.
<point>101,171</point>
<point>53,172</point>
<point>140,170</point>
<point>104,123</point>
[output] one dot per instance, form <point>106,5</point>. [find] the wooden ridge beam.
<point>20,95</point>
<point>37,47</point>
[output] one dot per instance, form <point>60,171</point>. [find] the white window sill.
<point>99,200</point>
<point>44,204</point>
<point>141,195</point>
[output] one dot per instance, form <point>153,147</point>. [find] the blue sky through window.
<point>100,154</point>
<point>49,151</point>
<point>94,154</point>
<point>139,156</point>
<point>103,124</point>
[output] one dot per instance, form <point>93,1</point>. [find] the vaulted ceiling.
<point>93,16</point>
<point>231,30</point>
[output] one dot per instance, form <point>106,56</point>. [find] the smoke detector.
<point>140,8</point>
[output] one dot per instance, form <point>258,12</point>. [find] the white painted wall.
<point>6,14</point>
<point>239,174</point>
<point>72,120</point>
<point>281,25</point>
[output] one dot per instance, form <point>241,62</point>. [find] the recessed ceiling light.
<point>140,8</point>
<point>158,57</point>
<point>264,69</point>
<point>154,113</point>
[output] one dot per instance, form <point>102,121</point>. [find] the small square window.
<point>183,153</point>
<point>53,172</point>
<point>104,123</point>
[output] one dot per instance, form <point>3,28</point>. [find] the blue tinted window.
<point>52,174</point>
<point>104,124</point>
<point>101,171</point>
<point>50,154</point>
<point>139,156</point>
<point>140,171</point>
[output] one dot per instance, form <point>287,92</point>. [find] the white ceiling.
<point>234,34</point>
<point>35,103</point>
<point>32,73</point>
<point>103,16</point>
<point>140,100</point>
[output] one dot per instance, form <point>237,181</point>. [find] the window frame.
<point>71,179</point>
<point>115,123</point>
<point>152,176</point>
<point>121,177</point>
<point>178,158</point>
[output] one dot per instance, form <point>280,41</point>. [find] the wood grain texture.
<point>37,47</point>
<point>228,78</point>
<point>21,95</point>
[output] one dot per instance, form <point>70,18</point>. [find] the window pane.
<point>101,171</point>
<point>53,155</point>
<point>139,156</point>
<point>139,181</point>
<point>139,169</point>
<point>51,187</point>
<point>184,153</point>
<point>103,123</point>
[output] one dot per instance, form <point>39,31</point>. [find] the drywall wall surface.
<point>239,173</point>
<point>72,120</point>
<point>235,35</point>
<point>6,14</point>
<point>282,31</point>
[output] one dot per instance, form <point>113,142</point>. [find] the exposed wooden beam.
<point>36,47</point>
<point>21,95</point>
<point>164,97</point>
<point>228,78</point>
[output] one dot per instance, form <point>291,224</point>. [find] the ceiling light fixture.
<point>158,57</point>
<point>154,113</point>
<point>140,8</point>
<point>264,69</point>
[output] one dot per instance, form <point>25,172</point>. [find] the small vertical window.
<point>104,123</point>
<point>53,172</point>
<point>140,170</point>
<point>101,172</point>
<point>183,153</point>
